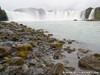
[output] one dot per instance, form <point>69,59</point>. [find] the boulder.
<point>16,61</point>
<point>4,51</point>
<point>57,69</point>
<point>91,62</point>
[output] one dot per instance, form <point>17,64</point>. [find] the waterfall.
<point>18,16</point>
<point>34,14</point>
<point>91,16</point>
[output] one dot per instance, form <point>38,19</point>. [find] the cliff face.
<point>88,11</point>
<point>3,16</point>
<point>97,14</point>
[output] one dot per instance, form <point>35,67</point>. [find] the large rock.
<point>91,62</point>
<point>57,69</point>
<point>4,51</point>
<point>3,15</point>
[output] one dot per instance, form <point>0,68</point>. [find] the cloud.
<point>49,4</point>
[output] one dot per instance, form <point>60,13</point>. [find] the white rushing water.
<point>19,16</point>
<point>32,14</point>
<point>91,16</point>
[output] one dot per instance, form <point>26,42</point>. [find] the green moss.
<point>22,53</point>
<point>23,49</point>
<point>52,39</point>
<point>97,55</point>
<point>57,44</point>
<point>92,20</point>
<point>33,44</point>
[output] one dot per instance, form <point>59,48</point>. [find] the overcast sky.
<point>49,4</point>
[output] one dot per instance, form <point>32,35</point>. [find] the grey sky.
<point>49,4</point>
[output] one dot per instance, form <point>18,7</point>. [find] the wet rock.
<point>36,71</point>
<point>57,44</point>
<point>25,68</point>
<point>1,67</point>
<point>83,50</point>
<point>91,62</point>
<point>4,51</point>
<point>57,69</point>
<point>15,37</point>
<point>70,69</point>
<point>79,55</point>
<point>16,61</point>
<point>33,44</point>
<point>69,50</point>
<point>70,41</point>
<point>57,54</point>
<point>33,62</point>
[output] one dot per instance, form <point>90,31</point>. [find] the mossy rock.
<point>97,55</point>
<point>49,35</point>
<point>52,40</point>
<point>92,20</point>
<point>16,61</point>
<point>57,69</point>
<point>3,15</point>
<point>91,62</point>
<point>4,51</point>
<point>23,49</point>
<point>33,44</point>
<point>15,37</point>
<point>25,46</point>
<point>88,11</point>
<point>57,44</point>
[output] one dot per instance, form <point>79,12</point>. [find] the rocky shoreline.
<point>26,51</point>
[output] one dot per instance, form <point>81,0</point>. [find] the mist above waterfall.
<point>29,10</point>
<point>49,4</point>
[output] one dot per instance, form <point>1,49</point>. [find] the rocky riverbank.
<point>26,51</point>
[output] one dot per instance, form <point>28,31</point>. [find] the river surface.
<point>87,33</point>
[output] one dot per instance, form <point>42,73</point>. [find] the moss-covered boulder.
<point>88,11</point>
<point>57,69</point>
<point>3,15</point>
<point>91,62</point>
<point>16,61</point>
<point>4,51</point>
<point>97,14</point>
<point>23,49</point>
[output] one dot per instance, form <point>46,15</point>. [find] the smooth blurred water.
<point>85,32</point>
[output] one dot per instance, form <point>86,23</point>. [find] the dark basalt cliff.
<point>3,15</point>
<point>97,14</point>
<point>88,11</point>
